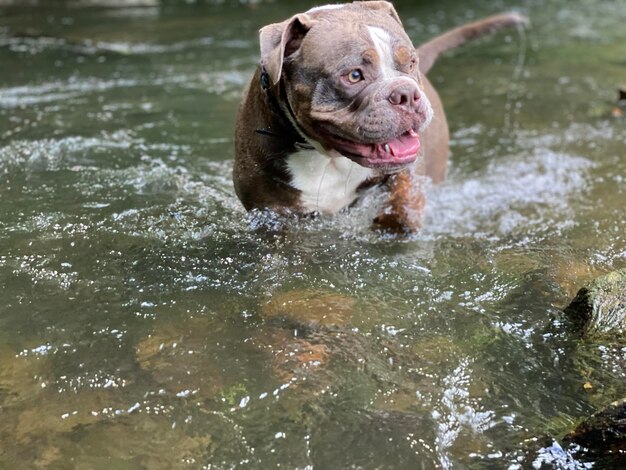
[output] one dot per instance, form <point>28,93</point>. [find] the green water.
<point>144,323</point>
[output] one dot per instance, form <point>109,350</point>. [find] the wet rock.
<point>570,274</point>
<point>179,360</point>
<point>47,457</point>
<point>602,437</point>
<point>310,308</point>
<point>149,442</point>
<point>21,377</point>
<point>597,442</point>
<point>55,417</point>
<point>137,441</point>
<point>307,329</point>
<point>600,308</point>
<point>291,357</point>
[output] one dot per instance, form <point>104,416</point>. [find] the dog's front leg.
<point>403,210</point>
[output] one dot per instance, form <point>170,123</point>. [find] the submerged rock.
<point>308,307</point>
<point>602,437</point>
<point>597,442</point>
<point>181,359</point>
<point>600,308</point>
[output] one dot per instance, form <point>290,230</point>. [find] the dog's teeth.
<point>387,149</point>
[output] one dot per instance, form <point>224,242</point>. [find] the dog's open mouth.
<point>395,153</point>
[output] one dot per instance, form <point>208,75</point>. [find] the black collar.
<point>275,108</point>
<point>272,102</point>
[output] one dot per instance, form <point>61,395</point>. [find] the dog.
<point>340,103</point>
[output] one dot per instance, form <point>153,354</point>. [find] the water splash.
<point>518,192</point>
<point>457,411</point>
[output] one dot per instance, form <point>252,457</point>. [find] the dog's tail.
<point>429,52</point>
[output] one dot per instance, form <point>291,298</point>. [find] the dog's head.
<point>349,80</point>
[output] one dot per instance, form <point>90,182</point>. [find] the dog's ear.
<point>385,6</point>
<point>280,40</point>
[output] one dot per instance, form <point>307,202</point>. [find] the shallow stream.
<point>145,323</point>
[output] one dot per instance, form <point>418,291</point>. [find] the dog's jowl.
<point>340,102</point>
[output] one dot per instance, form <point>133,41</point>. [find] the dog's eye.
<point>355,76</point>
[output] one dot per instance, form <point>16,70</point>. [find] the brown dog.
<point>340,103</point>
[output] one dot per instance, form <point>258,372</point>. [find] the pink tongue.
<point>405,145</point>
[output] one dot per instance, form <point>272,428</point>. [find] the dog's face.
<point>350,81</point>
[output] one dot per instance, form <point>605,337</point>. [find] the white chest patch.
<point>327,184</point>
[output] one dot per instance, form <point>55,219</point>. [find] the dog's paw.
<point>396,224</point>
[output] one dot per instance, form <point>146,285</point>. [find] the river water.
<point>145,323</point>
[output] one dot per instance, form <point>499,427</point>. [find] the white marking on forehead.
<point>326,7</point>
<point>382,44</point>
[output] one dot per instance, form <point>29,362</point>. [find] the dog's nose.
<point>405,96</point>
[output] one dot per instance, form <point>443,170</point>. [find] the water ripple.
<point>28,95</point>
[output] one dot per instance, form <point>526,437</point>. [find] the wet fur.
<point>264,164</point>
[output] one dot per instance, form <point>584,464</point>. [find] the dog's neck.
<point>325,183</point>
<point>283,114</point>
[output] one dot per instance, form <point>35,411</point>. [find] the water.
<point>144,323</point>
